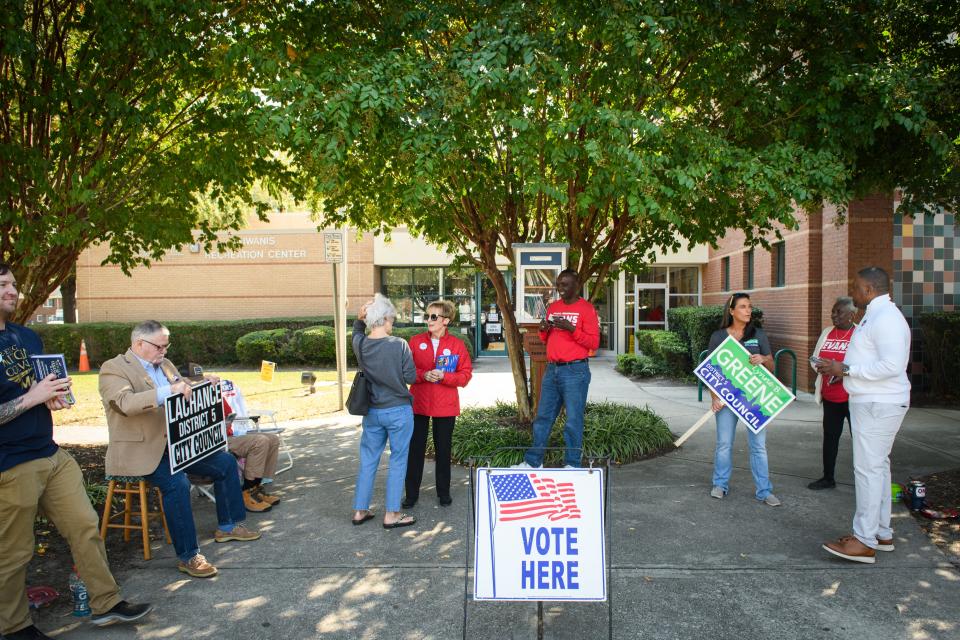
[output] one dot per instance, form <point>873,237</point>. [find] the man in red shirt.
<point>571,331</point>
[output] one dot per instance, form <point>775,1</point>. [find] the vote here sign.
<point>195,427</point>
<point>751,391</point>
<point>539,535</point>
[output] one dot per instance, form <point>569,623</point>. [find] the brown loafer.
<point>850,548</point>
<point>198,567</point>
<point>239,532</point>
<point>262,496</point>
<point>885,545</point>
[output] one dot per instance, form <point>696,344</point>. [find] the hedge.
<point>639,365</point>
<point>206,342</point>
<point>311,345</point>
<point>941,350</point>
<point>668,349</point>
<point>694,325</point>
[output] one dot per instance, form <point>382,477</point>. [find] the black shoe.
<point>27,633</point>
<point>408,503</point>
<point>822,483</point>
<point>123,611</point>
<point>446,501</point>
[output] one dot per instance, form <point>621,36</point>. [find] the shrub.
<point>638,365</point>
<point>694,325</point>
<point>666,348</point>
<point>268,344</point>
<point>207,342</point>
<point>941,350</point>
<point>311,345</point>
<point>623,432</point>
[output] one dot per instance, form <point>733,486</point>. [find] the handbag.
<point>358,401</point>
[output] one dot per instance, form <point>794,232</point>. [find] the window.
<point>748,269</point>
<point>411,289</point>
<point>725,273</point>
<point>779,266</point>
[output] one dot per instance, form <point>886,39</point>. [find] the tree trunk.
<point>68,289</point>
<point>38,281</point>
<point>511,332</point>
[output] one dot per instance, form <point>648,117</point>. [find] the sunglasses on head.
<point>434,316</point>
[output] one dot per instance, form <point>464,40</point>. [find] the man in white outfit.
<point>874,374</point>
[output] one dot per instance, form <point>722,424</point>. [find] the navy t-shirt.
<point>30,435</point>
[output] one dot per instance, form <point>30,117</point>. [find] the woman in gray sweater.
<point>387,363</point>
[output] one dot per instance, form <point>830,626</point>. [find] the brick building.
<point>798,279</point>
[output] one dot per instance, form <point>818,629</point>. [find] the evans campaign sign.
<point>751,391</point>
<point>195,427</point>
<point>539,535</point>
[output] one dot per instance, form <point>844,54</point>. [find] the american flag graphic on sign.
<point>522,495</point>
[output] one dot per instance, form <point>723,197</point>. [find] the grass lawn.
<point>285,395</point>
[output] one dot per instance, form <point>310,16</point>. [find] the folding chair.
<point>251,421</point>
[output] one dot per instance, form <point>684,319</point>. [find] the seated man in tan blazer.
<point>133,387</point>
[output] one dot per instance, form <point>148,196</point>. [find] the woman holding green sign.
<point>737,323</point>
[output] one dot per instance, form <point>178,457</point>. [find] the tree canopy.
<point>116,118</point>
<point>619,127</point>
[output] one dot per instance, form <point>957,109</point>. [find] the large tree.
<point>619,127</point>
<point>116,118</point>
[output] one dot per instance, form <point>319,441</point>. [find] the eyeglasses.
<point>434,316</point>
<point>159,347</point>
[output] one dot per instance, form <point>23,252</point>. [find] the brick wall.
<point>278,273</point>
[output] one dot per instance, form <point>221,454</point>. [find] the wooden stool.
<point>132,486</point>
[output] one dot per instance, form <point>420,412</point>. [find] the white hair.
<point>379,311</point>
<point>146,329</point>
<point>846,302</point>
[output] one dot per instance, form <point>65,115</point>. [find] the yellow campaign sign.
<point>266,370</point>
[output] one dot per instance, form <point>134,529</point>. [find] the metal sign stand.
<point>334,253</point>
<point>471,519</point>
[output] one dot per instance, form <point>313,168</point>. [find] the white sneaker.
<point>717,492</point>
<point>524,465</point>
<point>772,500</point>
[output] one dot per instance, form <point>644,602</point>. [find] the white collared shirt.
<point>878,355</point>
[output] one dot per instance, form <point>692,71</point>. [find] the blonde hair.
<point>449,309</point>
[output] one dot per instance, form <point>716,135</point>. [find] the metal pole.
<point>338,334</point>
<point>539,620</point>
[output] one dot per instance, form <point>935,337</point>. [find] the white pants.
<point>874,426</point>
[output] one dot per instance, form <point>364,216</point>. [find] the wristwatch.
<point>846,370</point>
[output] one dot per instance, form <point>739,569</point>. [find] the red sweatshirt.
<point>564,346</point>
<point>439,399</point>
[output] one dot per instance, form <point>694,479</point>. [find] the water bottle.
<point>81,599</point>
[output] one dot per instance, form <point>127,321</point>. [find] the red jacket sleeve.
<point>418,361</point>
<point>464,372</point>
<point>587,333</point>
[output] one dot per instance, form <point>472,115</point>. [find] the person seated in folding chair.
<point>258,450</point>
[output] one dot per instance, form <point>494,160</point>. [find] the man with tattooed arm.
<point>35,473</point>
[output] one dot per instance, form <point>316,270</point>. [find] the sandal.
<point>401,522</point>
<point>356,522</point>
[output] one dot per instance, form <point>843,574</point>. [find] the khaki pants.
<point>55,485</point>
<point>260,451</point>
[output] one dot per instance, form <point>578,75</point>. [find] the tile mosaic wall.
<point>926,265</point>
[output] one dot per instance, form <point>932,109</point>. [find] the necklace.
<point>846,338</point>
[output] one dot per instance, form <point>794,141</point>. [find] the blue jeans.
<point>175,489</point>
<point>379,425</point>
<point>723,458</point>
<point>562,387</point>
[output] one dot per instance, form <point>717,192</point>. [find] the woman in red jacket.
<point>443,364</point>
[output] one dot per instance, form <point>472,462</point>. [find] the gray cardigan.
<point>388,365</point>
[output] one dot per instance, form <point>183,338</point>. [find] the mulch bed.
<point>52,567</point>
<point>943,492</point>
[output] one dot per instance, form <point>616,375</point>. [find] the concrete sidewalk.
<point>683,565</point>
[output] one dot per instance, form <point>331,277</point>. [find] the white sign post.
<point>540,535</point>
<point>334,253</point>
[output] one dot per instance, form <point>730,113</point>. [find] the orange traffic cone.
<point>84,360</point>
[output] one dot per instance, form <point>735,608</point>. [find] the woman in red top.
<point>443,364</point>
<point>829,391</point>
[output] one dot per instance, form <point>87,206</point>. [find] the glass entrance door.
<point>649,311</point>
<point>489,326</point>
